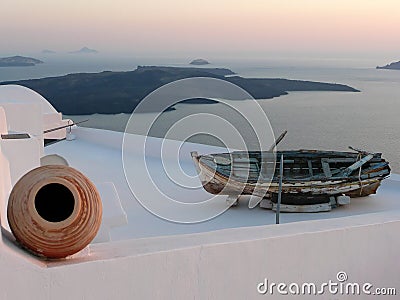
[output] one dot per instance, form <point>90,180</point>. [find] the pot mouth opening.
<point>54,202</point>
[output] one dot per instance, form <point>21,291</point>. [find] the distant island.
<point>392,66</point>
<point>47,51</point>
<point>19,61</point>
<point>120,92</point>
<point>85,50</point>
<point>199,62</point>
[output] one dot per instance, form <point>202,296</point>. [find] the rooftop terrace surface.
<point>98,154</point>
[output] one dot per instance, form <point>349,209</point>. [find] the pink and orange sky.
<point>207,26</point>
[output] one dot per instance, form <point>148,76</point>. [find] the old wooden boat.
<point>312,180</point>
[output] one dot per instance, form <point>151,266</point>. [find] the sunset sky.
<point>207,26</point>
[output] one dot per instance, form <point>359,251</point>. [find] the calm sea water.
<point>318,120</point>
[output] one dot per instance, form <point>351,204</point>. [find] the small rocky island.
<point>392,66</point>
<point>85,50</point>
<point>120,92</point>
<point>199,62</point>
<point>19,61</point>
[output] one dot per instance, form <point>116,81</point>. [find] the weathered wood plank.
<point>340,160</point>
<point>311,208</point>
<point>374,174</point>
<point>357,165</point>
<point>337,171</point>
<point>309,163</point>
<point>222,160</point>
<point>376,167</point>
<point>245,167</point>
<point>245,160</point>
<point>286,161</point>
<point>326,168</point>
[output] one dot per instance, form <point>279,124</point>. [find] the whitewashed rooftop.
<point>97,153</point>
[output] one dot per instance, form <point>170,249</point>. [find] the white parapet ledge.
<point>218,238</point>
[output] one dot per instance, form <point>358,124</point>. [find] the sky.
<point>246,27</point>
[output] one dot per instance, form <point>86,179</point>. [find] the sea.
<point>368,120</point>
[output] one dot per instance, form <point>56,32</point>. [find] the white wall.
<point>54,120</point>
<point>5,188</point>
<point>22,99</point>
<point>18,156</point>
<point>24,118</point>
<point>3,121</point>
<point>225,264</point>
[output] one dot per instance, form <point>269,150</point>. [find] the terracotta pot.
<point>54,211</point>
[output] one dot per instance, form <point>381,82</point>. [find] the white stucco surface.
<point>3,121</point>
<point>19,94</point>
<point>18,156</point>
<point>28,111</point>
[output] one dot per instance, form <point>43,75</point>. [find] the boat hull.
<point>296,191</point>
